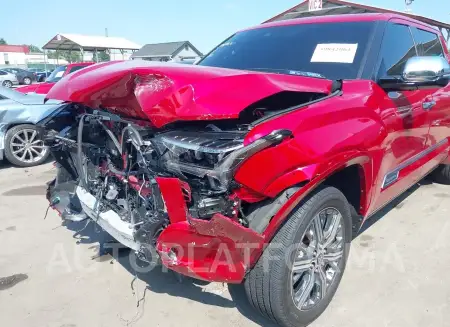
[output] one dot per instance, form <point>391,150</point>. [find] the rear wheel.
<point>23,147</point>
<point>441,174</point>
<point>27,81</point>
<point>299,272</point>
<point>7,84</point>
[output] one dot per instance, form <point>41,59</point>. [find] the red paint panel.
<point>217,250</point>
<point>172,194</point>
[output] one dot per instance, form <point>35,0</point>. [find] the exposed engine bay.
<point>178,159</point>
<point>115,168</point>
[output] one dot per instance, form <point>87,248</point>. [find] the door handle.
<point>427,105</point>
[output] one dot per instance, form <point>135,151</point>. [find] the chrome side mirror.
<point>423,69</point>
<point>419,73</point>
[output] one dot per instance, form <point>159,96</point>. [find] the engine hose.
<point>122,173</point>
<point>134,134</point>
<point>113,138</point>
<point>120,146</point>
<point>80,165</point>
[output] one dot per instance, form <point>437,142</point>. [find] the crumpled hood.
<point>165,92</point>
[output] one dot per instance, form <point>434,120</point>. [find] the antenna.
<point>408,5</point>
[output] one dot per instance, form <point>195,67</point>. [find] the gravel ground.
<point>397,273</point>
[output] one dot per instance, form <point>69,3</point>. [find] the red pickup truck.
<point>257,165</point>
<point>55,76</point>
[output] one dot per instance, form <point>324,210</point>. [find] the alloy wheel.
<point>7,84</point>
<point>318,258</point>
<point>27,147</point>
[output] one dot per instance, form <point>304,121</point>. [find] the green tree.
<point>70,56</point>
<point>103,56</point>
<point>2,41</point>
<point>51,55</point>
<point>34,48</point>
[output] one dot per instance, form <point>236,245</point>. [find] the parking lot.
<point>397,273</point>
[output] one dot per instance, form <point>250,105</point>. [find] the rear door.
<point>437,102</point>
<point>406,123</point>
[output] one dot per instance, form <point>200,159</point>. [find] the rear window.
<point>428,44</point>
<point>75,68</point>
<point>332,50</point>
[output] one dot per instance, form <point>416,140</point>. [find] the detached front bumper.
<point>218,249</point>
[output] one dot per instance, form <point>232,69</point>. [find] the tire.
<point>27,81</point>
<point>270,284</point>
<point>35,145</point>
<point>7,84</point>
<point>441,174</point>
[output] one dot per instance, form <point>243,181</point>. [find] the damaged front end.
<point>152,154</point>
<point>172,190</point>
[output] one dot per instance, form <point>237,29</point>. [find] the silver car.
<point>20,140</point>
<point>8,79</point>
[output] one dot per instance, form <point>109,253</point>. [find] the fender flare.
<point>322,172</point>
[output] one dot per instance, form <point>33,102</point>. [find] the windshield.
<point>56,75</point>
<point>331,50</point>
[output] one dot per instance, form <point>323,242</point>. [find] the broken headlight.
<point>211,155</point>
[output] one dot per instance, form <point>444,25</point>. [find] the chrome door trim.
<point>392,176</point>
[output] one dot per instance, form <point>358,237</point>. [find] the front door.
<point>405,120</point>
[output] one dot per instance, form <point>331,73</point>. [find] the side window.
<point>428,44</point>
<point>397,47</point>
<point>2,73</point>
<point>74,69</point>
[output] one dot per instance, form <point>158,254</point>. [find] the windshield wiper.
<point>288,72</point>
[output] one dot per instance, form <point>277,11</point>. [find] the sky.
<point>203,22</point>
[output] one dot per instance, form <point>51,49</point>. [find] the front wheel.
<point>299,272</point>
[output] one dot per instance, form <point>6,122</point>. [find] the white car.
<point>8,79</point>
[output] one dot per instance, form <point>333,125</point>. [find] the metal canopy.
<point>338,7</point>
<point>88,43</point>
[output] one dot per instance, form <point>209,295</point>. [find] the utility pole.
<point>408,6</point>
<point>106,31</point>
